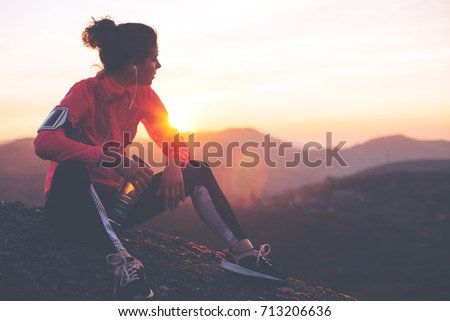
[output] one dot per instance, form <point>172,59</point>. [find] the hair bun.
<point>99,33</point>
<point>117,45</point>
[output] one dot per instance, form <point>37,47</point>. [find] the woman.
<point>81,190</point>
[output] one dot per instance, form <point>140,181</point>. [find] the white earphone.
<point>135,86</point>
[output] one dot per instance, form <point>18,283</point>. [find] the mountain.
<point>390,149</point>
<point>423,165</point>
<point>23,173</point>
<point>398,147</point>
<point>380,234</point>
<point>35,267</point>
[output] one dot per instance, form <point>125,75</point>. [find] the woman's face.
<point>146,71</point>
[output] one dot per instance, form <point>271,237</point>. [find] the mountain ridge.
<point>23,172</point>
<point>420,165</point>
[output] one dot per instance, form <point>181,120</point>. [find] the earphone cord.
<point>135,88</point>
<point>131,103</point>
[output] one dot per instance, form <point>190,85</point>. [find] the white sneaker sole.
<point>140,297</point>
<point>244,271</point>
<point>149,296</point>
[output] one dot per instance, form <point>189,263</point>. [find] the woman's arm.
<point>156,122</point>
<point>55,145</point>
<point>53,141</point>
<point>172,185</point>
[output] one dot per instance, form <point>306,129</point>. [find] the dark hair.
<point>118,44</point>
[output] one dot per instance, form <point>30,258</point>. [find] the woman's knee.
<point>199,168</point>
<point>196,173</point>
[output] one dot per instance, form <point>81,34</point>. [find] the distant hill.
<point>424,165</point>
<point>23,172</point>
<point>245,185</point>
<point>381,234</point>
<point>398,147</point>
<point>391,149</point>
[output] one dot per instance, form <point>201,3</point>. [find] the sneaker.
<point>252,263</point>
<point>130,278</point>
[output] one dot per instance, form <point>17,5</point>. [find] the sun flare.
<point>178,117</point>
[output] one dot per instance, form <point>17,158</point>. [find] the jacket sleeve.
<point>156,122</point>
<point>54,144</point>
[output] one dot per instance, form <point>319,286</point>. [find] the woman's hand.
<point>133,172</point>
<point>172,186</point>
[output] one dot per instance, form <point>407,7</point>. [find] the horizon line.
<point>296,143</point>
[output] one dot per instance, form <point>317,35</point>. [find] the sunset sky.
<point>295,69</point>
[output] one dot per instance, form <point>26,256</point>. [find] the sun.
<point>179,120</point>
<point>178,117</point>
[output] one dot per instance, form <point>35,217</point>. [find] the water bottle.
<point>126,198</point>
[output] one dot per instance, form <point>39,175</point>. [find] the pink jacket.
<point>98,112</point>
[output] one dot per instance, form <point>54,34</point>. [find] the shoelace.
<point>127,270</point>
<point>263,252</point>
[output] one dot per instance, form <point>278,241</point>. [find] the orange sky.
<point>296,69</point>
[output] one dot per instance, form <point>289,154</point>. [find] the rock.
<point>34,267</point>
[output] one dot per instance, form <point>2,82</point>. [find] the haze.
<point>295,69</point>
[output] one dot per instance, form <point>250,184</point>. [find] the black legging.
<point>78,212</point>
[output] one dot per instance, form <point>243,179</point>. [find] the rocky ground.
<point>35,267</point>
